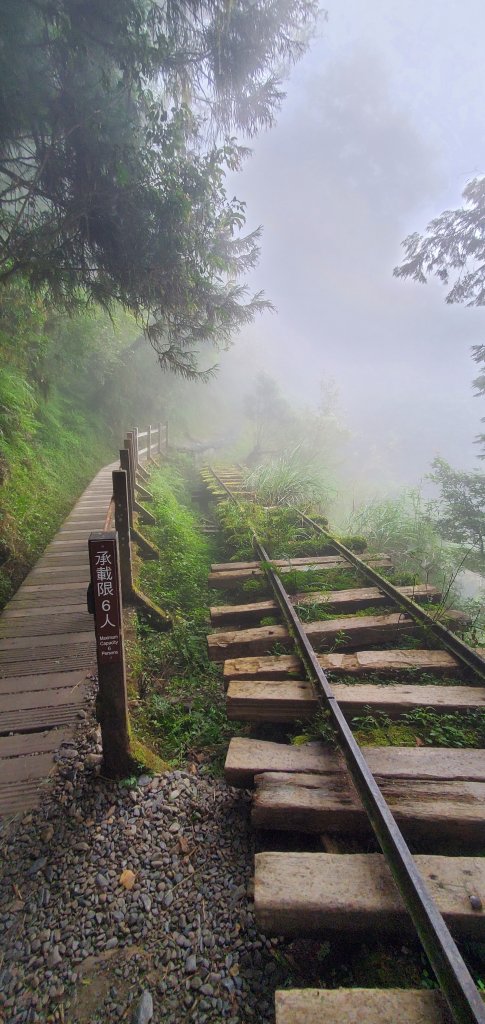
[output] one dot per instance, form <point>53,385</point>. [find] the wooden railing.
<point>127,512</point>
<point>112,586</point>
<point>150,442</point>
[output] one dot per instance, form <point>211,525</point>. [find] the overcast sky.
<point>381,128</point>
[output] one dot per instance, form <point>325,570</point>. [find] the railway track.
<point>275,670</point>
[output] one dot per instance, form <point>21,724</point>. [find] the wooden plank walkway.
<point>47,651</point>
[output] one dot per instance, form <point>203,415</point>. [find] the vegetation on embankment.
<point>179,709</point>
<point>406,528</point>
<point>69,387</point>
<point>43,474</point>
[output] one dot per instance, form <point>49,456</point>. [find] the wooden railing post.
<point>149,441</point>
<point>160,439</point>
<point>112,701</point>
<point>126,465</point>
<point>136,456</point>
<point>129,444</point>
<point>122,526</point>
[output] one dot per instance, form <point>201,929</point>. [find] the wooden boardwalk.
<point>47,651</point>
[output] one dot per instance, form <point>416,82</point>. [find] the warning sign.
<point>103,560</point>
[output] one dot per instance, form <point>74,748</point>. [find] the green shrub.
<point>288,479</point>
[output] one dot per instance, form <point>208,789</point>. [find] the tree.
<point>114,117</point>
<point>453,249</point>
<point>462,504</point>
<point>453,246</point>
<point>271,416</point>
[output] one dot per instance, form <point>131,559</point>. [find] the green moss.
<point>422,726</point>
<point>354,543</point>
<point>282,531</point>
<point>146,759</point>
<point>392,735</point>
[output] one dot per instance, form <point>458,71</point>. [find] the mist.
<point>378,133</point>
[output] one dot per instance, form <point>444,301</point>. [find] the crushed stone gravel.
<point>174,938</point>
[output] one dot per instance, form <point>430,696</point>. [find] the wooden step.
<point>310,893</point>
<point>295,802</point>
<point>235,578</point>
<point>36,657</point>
<point>57,589</point>
<point>36,699</point>
<point>72,559</point>
<point>21,797</point>
<point>12,612</point>
<point>348,632</point>
<point>80,659</point>
<point>243,614</point>
<point>42,625</point>
<point>31,598</point>
<point>247,758</point>
<point>289,700</point>
<point>71,573</point>
<point>22,769</point>
<point>33,742</point>
<point>360,1006</point>
<point>44,681</point>
<point>39,719</point>
<point>338,601</point>
<point>65,544</point>
<point>270,701</point>
<point>293,563</point>
<point>19,642</point>
<point>394,663</point>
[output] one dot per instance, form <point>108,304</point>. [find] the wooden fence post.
<point>125,464</point>
<point>149,441</point>
<point>112,702</point>
<point>122,526</point>
<point>130,446</point>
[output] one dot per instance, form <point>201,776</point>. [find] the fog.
<point>380,130</point>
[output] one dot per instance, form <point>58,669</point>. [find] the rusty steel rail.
<point>453,976</point>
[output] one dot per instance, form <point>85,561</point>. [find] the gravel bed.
<point>132,904</point>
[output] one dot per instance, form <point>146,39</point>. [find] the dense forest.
<point>123,259</point>
<point>117,124</point>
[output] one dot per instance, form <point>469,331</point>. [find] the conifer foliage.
<point>115,122</point>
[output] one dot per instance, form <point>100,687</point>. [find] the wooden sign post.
<point>112,703</point>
